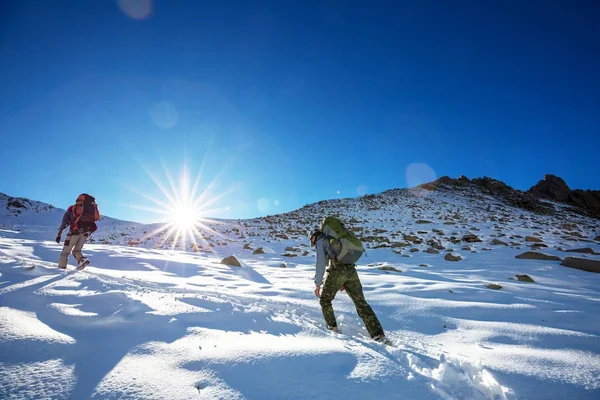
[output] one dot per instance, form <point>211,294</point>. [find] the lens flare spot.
<point>136,9</point>
<point>276,202</point>
<point>361,190</point>
<point>264,205</point>
<point>164,115</point>
<point>419,173</point>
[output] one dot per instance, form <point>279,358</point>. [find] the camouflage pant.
<point>346,276</point>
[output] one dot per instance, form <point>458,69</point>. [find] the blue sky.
<point>277,104</point>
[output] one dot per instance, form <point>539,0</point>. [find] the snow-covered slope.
<point>148,322</point>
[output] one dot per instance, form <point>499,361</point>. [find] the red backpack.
<point>85,214</point>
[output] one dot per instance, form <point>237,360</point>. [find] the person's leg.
<point>332,284</point>
<point>80,241</point>
<point>354,289</point>
<point>70,243</point>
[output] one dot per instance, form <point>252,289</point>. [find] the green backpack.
<point>343,245</point>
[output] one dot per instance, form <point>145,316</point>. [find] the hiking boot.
<point>382,339</point>
<point>83,263</point>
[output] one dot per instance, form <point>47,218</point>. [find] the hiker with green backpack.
<point>337,250</point>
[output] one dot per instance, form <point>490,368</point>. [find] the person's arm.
<point>320,261</point>
<point>66,220</point>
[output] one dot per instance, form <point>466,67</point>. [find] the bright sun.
<point>184,216</point>
<point>185,211</point>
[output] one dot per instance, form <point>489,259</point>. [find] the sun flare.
<point>184,216</point>
<point>185,211</point>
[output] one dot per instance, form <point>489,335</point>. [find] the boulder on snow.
<point>231,261</point>
<point>524,278</point>
<point>597,238</point>
<point>584,264</point>
<point>452,257</point>
<point>586,250</point>
<point>534,255</point>
<point>493,286</point>
<point>499,242</point>
<point>471,238</point>
<point>258,251</point>
<point>533,239</point>
<point>388,268</point>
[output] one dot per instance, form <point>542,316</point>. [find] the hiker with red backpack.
<point>337,250</point>
<point>81,219</point>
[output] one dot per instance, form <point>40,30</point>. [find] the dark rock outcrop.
<point>551,188</point>
<point>517,198</point>
<point>555,189</point>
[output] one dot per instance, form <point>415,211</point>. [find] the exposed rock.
<point>597,238</point>
<point>551,188</point>
<point>15,204</point>
<point>423,221</point>
<point>258,251</point>
<point>388,268</point>
<point>431,250</point>
<point>232,261</point>
<point>554,188</point>
<point>414,250</point>
<point>514,197</point>
<point>524,278</point>
<point>533,239</point>
<point>499,242</point>
<point>282,265</point>
<point>533,255</point>
<point>538,246</point>
<point>304,253</point>
<point>493,286</point>
<point>247,247</point>
<point>289,255</point>
<point>586,250</point>
<point>584,264</point>
<point>452,257</point>
<point>423,265</point>
<point>471,238</point>
<point>435,244</point>
<point>412,238</point>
